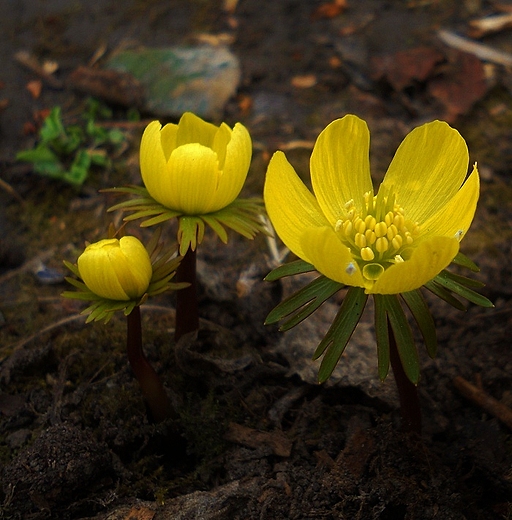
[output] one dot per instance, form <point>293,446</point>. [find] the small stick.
<point>482,52</point>
<point>484,400</point>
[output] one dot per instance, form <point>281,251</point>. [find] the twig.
<point>490,24</point>
<point>11,191</point>
<point>481,51</point>
<point>484,400</point>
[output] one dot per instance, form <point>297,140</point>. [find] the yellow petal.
<point>330,256</point>
<point>236,159</point>
<point>427,261</point>
<point>454,219</point>
<point>153,164</point>
<point>193,179</point>
<point>134,274</point>
<point>291,207</point>
<point>220,143</point>
<point>168,136</point>
<point>192,129</point>
<point>340,167</point>
<point>428,169</point>
<point>98,272</point>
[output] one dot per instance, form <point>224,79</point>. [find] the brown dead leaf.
<point>34,87</point>
<point>329,9</point>
<point>140,513</point>
<point>304,81</point>
<point>403,68</point>
<point>276,440</point>
<point>460,86</point>
<point>116,87</point>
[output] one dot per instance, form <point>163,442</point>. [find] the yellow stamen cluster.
<point>377,231</point>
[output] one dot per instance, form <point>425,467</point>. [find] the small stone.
<point>198,78</point>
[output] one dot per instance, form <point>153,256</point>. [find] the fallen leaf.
<point>404,68</point>
<point>461,85</point>
<point>140,513</point>
<point>276,440</point>
<point>305,81</point>
<point>34,87</point>
<point>329,9</point>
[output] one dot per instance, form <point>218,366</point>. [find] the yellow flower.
<point>194,167</point>
<point>389,243</point>
<point>116,269</point>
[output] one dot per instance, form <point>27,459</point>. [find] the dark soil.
<point>256,438</point>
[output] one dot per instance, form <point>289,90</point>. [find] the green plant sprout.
<point>387,245</point>
<point>119,275</point>
<point>67,153</point>
<point>193,171</point>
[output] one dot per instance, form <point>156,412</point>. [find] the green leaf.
<point>55,170</point>
<point>289,269</point>
<point>40,154</point>
<point>79,168</point>
<point>217,227</point>
<point>116,136</point>
<point>464,261</point>
<point>99,158</point>
<point>445,295</point>
<point>448,283</point>
<point>52,128</point>
<point>190,233</point>
<point>382,335</point>
<point>403,337</point>
<point>303,303</point>
<point>340,332</point>
<point>463,280</point>
<point>419,309</point>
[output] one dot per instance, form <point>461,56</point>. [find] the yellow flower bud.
<point>194,167</point>
<point>116,269</point>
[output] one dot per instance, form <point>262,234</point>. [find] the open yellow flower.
<point>116,269</point>
<point>389,243</point>
<point>194,167</point>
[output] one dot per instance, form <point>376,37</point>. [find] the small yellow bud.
<point>116,269</point>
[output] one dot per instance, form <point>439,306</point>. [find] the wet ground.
<point>258,439</point>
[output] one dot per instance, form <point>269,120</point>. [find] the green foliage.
<point>242,216</point>
<point>390,315</point>
<point>67,153</point>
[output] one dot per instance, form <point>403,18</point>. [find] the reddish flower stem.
<point>187,313</point>
<point>407,391</point>
<point>152,388</point>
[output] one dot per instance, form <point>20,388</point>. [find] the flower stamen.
<point>377,233</point>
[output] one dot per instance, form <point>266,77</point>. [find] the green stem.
<point>187,314</point>
<point>152,388</point>
<point>407,391</point>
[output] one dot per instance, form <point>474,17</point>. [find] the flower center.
<point>376,232</point>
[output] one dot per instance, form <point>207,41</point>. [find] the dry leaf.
<point>35,87</point>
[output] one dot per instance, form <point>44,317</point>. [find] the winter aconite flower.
<point>194,171</point>
<point>116,269</point>
<point>118,274</point>
<point>194,167</point>
<point>390,242</point>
